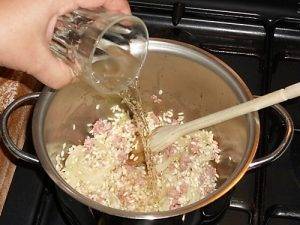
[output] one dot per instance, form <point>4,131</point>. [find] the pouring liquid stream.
<point>117,73</point>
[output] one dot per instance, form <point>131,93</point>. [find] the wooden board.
<point>13,84</point>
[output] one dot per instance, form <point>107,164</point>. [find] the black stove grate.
<point>265,51</point>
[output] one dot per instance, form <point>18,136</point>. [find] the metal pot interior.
<point>193,82</point>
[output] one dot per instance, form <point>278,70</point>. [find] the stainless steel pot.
<point>192,80</point>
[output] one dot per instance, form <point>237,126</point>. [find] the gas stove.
<point>260,40</point>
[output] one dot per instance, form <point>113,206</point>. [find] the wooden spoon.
<point>163,136</point>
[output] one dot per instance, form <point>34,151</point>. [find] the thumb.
<point>52,71</point>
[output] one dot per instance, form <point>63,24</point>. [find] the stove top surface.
<point>265,53</point>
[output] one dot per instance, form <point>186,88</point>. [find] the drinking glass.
<point>104,49</point>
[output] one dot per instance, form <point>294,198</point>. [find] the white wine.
<point>117,73</point>
<point>114,71</point>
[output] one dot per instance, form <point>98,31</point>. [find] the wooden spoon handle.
<point>241,109</point>
<point>165,136</point>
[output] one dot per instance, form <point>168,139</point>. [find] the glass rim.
<point>118,19</point>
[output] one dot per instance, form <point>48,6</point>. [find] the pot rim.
<point>40,111</point>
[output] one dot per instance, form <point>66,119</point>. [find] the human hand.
<point>26,28</point>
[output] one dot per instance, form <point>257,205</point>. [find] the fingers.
<point>90,3</point>
<point>51,71</point>
<point>117,6</point>
<point>111,5</point>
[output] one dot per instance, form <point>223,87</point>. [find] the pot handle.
<point>7,141</point>
<point>288,136</point>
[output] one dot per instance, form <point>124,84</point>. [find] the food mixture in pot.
<point>100,168</point>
